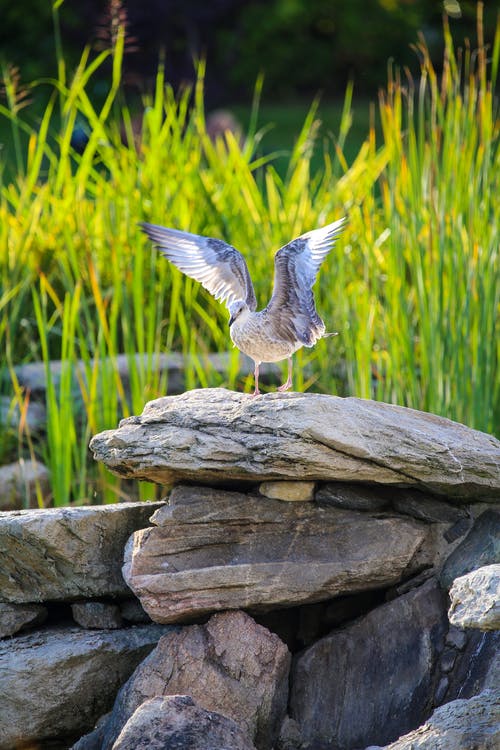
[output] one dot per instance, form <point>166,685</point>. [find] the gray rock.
<point>477,667</point>
<point>10,415</point>
<point>20,482</point>
<point>231,665</point>
<point>480,547</point>
<point>178,722</point>
<point>213,435</point>
<point>372,680</point>
<point>456,638</point>
<point>64,554</point>
<point>351,497</point>
<point>472,724</point>
<point>97,615</point>
<point>475,599</point>
<point>55,683</point>
<point>426,508</point>
<point>213,550</point>
<point>15,617</point>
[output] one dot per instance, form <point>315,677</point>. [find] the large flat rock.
<point>212,549</point>
<point>66,554</point>
<point>215,435</point>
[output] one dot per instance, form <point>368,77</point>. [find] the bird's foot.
<point>256,393</point>
<point>286,386</point>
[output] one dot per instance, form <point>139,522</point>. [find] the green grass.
<point>413,286</point>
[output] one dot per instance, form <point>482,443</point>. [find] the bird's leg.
<point>256,376</point>
<point>288,383</point>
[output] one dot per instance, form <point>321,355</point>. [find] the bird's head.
<point>235,310</point>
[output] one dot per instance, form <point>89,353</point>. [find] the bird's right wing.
<point>219,267</point>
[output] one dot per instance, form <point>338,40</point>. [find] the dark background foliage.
<point>302,46</point>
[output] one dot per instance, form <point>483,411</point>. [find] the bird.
<point>290,319</point>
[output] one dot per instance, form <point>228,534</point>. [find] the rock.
<point>372,680</point>
<point>10,415</point>
<point>15,617</point>
<point>55,683</point>
<point>97,615</point>
<point>231,665</point>
<point>213,550</point>
<point>64,554</point>
<point>351,497</point>
<point>426,508</point>
<point>477,667</point>
<point>288,491</point>
<point>480,547</point>
<point>131,610</point>
<point>472,724</point>
<point>19,483</point>
<point>456,638</point>
<point>214,435</point>
<point>475,599</point>
<point>178,722</point>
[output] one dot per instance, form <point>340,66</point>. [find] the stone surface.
<point>15,617</point>
<point>477,667</point>
<point>212,435</point>
<point>480,547</point>
<point>472,724</point>
<point>97,615</point>
<point>177,723</point>
<point>19,482</point>
<point>213,549</point>
<point>131,610</point>
<point>372,680</point>
<point>288,491</point>
<point>231,665</point>
<point>475,599</point>
<point>351,496</point>
<point>64,554</point>
<point>55,683</point>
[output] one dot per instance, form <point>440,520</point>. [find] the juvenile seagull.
<point>289,321</point>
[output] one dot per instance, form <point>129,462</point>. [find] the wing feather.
<point>296,267</point>
<point>219,267</point>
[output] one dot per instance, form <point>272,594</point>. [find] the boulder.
<point>472,724</point>
<point>21,483</point>
<point>475,599</point>
<point>97,615</point>
<point>15,617</point>
<point>178,722</point>
<point>231,665</point>
<point>213,549</point>
<point>214,435</point>
<point>55,683</point>
<point>480,547</point>
<point>372,680</point>
<point>288,491</point>
<point>65,554</point>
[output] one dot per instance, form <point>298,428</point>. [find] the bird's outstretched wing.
<point>219,267</point>
<point>296,267</point>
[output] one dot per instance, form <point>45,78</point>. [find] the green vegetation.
<point>413,286</point>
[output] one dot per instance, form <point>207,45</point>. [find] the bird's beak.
<point>231,321</point>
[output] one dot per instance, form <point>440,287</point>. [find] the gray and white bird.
<point>289,321</point>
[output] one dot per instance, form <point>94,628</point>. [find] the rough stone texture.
<point>214,550</point>
<point>351,496</point>
<point>97,615</point>
<point>472,724</point>
<point>372,680</point>
<point>477,667</point>
<point>215,435</point>
<point>131,610</point>
<point>231,665</point>
<point>64,554</point>
<point>15,617</point>
<point>288,491</point>
<point>19,482</point>
<point>480,547</point>
<point>55,683</point>
<point>475,599</point>
<point>177,723</point>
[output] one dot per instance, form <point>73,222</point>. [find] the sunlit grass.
<point>412,287</point>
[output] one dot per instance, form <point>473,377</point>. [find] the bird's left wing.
<point>219,267</point>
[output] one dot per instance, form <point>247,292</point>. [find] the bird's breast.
<point>256,337</point>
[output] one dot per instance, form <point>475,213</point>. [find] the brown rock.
<point>214,435</point>
<point>288,491</point>
<point>214,550</point>
<point>231,665</point>
<point>176,721</point>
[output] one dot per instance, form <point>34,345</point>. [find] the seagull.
<point>289,321</point>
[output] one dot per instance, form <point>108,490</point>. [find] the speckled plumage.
<point>289,321</point>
